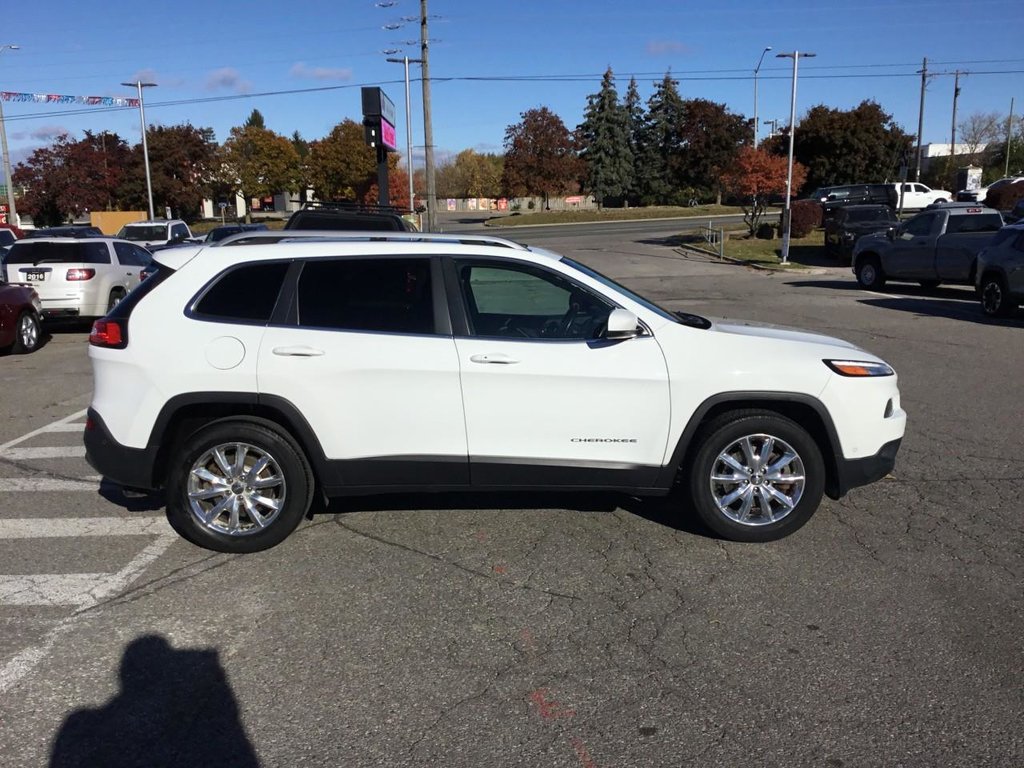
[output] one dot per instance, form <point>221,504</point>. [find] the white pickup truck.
<point>917,195</point>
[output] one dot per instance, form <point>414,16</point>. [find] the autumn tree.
<point>182,169</point>
<point>658,163</point>
<point>259,162</point>
<point>837,146</point>
<point>540,158</point>
<point>981,129</point>
<point>711,135</point>
<point>70,178</point>
<point>398,186</point>
<point>470,174</point>
<point>341,165</point>
<point>603,141</point>
<point>753,176</point>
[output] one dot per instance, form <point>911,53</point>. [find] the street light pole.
<point>756,70</point>
<point>12,211</point>
<point>786,212</point>
<point>428,128</point>
<point>408,125</point>
<point>145,148</point>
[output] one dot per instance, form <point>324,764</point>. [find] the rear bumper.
<point>128,467</point>
<point>851,473</point>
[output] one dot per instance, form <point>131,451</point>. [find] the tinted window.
<point>517,302</point>
<point>920,225</point>
<point>26,252</point>
<point>143,232</point>
<point>246,293</point>
<point>386,295</point>
<point>872,214</point>
<point>179,230</point>
<point>131,255</point>
<point>981,222</point>
<point>344,221</point>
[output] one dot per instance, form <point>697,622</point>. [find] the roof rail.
<point>293,235</point>
<point>350,205</point>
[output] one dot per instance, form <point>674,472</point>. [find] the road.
<point>541,630</point>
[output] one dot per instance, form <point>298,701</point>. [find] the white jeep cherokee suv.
<point>244,379</point>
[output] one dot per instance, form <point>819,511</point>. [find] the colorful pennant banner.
<point>53,98</point>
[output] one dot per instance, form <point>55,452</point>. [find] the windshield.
<point>143,232</point>
<point>646,303</point>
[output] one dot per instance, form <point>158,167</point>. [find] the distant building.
<point>933,151</point>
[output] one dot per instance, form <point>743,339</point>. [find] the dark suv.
<point>349,217</point>
<point>834,198</point>
<point>849,223</point>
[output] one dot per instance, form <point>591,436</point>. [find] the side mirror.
<point>891,232</point>
<point>622,324</point>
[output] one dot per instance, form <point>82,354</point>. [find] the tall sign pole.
<point>920,121</point>
<point>428,130</point>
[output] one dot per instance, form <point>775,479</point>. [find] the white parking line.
<point>61,427</point>
<point>59,527</point>
<point>28,484</point>
<point>51,427</point>
<point>49,452</point>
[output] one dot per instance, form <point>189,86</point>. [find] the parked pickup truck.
<point>939,245</point>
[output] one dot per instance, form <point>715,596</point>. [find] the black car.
<point>352,217</point>
<point>226,230</point>
<point>849,223</point>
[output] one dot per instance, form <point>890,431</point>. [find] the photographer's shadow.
<point>175,708</point>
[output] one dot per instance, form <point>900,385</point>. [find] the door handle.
<point>297,351</point>
<point>494,358</point>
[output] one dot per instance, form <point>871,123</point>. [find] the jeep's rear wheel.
<point>238,486</point>
<point>757,476</point>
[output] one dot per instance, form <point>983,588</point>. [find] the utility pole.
<point>428,130</point>
<point>956,95</point>
<point>12,208</point>
<point>920,121</point>
<point>786,211</point>
<point>1009,133</point>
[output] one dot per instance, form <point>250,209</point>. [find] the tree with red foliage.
<point>540,157</point>
<point>753,177</point>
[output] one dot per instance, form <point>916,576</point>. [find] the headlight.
<point>849,235</point>
<point>859,368</point>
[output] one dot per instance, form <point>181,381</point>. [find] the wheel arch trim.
<point>788,404</point>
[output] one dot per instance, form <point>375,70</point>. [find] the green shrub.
<point>765,232</point>
<point>805,215</point>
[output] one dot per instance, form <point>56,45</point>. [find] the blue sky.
<point>212,60</point>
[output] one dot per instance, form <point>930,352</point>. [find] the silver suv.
<point>1000,280</point>
<point>77,277</point>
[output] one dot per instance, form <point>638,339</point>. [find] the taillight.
<point>80,274</point>
<point>108,333</point>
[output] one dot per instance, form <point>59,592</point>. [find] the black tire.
<point>245,491</point>
<point>115,298</point>
<point>28,333</point>
<point>710,498</point>
<point>869,273</point>
<point>929,284</point>
<point>995,298</point>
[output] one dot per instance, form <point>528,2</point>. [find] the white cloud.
<point>299,69</point>
<point>227,78</point>
<point>42,133</point>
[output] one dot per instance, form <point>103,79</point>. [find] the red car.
<point>19,318</point>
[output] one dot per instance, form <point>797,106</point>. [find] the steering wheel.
<point>565,324</point>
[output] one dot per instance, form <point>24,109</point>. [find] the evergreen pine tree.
<point>660,159</point>
<point>634,109</point>
<point>604,143</point>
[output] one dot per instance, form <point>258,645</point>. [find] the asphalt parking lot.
<point>577,631</point>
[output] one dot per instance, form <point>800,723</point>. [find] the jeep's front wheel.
<point>756,476</point>
<point>238,486</point>
<point>869,273</point>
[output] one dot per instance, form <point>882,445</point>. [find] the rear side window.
<point>980,222</point>
<point>247,293</point>
<point>383,295</point>
<point>84,252</point>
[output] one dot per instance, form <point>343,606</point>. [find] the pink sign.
<point>387,135</point>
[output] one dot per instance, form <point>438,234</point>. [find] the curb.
<point>797,269</point>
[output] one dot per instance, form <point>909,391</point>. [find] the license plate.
<point>34,274</point>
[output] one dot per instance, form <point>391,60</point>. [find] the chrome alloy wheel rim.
<point>236,489</point>
<point>992,297</point>
<point>757,480</point>
<point>28,332</point>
